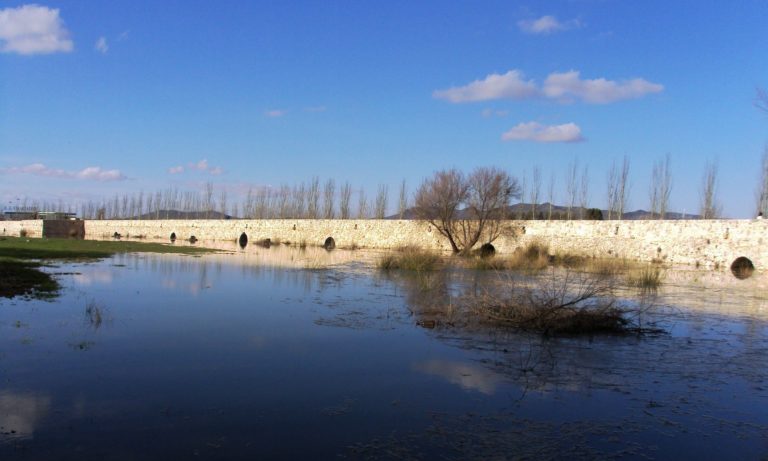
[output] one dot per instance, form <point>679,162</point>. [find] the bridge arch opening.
<point>243,240</point>
<point>329,244</point>
<point>742,268</point>
<point>173,237</point>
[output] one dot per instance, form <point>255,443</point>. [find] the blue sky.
<point>98,98</point>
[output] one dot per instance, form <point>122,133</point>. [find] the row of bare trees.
<point>324,200</point>
<point>310,200</point>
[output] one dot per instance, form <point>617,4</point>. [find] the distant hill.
<point>175,214</point>
<point>523,211</point>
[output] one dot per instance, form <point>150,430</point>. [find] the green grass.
<point>21,277</point>
<point>41,248</point>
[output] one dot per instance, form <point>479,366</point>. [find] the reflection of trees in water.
<point>705,377</point>
<point>703,345</point>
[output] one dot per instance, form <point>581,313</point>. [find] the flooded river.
<point>287,354</point>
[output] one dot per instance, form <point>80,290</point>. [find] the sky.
<point>105,98</point>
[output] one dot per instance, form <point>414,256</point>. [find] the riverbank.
<point>21,260</point>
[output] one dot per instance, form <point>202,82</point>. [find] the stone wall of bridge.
<point>704,243</point>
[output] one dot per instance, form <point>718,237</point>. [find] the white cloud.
<point>566,86</point>
<point>534,131</point>
<point>274,113</point>
<point>90,173</point>
<point>563,87</point>
<point>495,86</point>
<point>33,29</point>
<point>546,25</point>
<point>95,172</point>
<point>101,45</point>
<point>464,375</point>
<point>201,165</point>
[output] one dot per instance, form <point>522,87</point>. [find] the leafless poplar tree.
<point>551,195</point>
<point>223,202</point>
<point>403,201</point>
<point>660,187</point>
<point>382,196</point>
<point>521,208</point>
<point>584,192</point>
<point>535,190</point>
<point>208,199</point>
<point>362,205</point>
<point>710,208</point>
<point>329,191</point>
<point>313,198</point>
<point>571,186</point>
<point>622,189</point>
<point>248,210</point>
<point>613,187</point>
<point>762,187</point>
<point>283,208</point>
<point>344,199</point>
<point>299,198</point>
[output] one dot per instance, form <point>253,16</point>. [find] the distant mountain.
<point>175,214</point>
<point>542,211</point>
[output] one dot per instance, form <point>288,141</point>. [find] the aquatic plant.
<point>410,258</point>
<point>564,302</point>
<point>649,277</point>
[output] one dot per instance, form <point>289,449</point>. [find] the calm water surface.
<point>267,356</point>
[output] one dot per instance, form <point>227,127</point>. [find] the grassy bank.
<point>39,248</point>
<point>20,260</point>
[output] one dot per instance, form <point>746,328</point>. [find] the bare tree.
<point>382,197</point>
<point>403,201</point>
<point>313,198</point>
<point>208,199</point>
<point>485,193</point>
<point>223,202</point>
<point>328,195</point>
<point>653,190</point>
<point>535,190</point>
<point>762,188</point>
<point>299,201</point>
<point>710,208</point>
<point>521,208</point>
<point>622,189</point>
<point>362,205</point>
<point>551,195</point>
<point>661,187</point>
<point>584,192</point>
<point>571,186</point>
<point>613,187</point>
<point>438,199</point>
<point>284,196</point>
<point>346,195</point>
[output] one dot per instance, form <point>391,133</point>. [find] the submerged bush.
<point>563,303</point>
